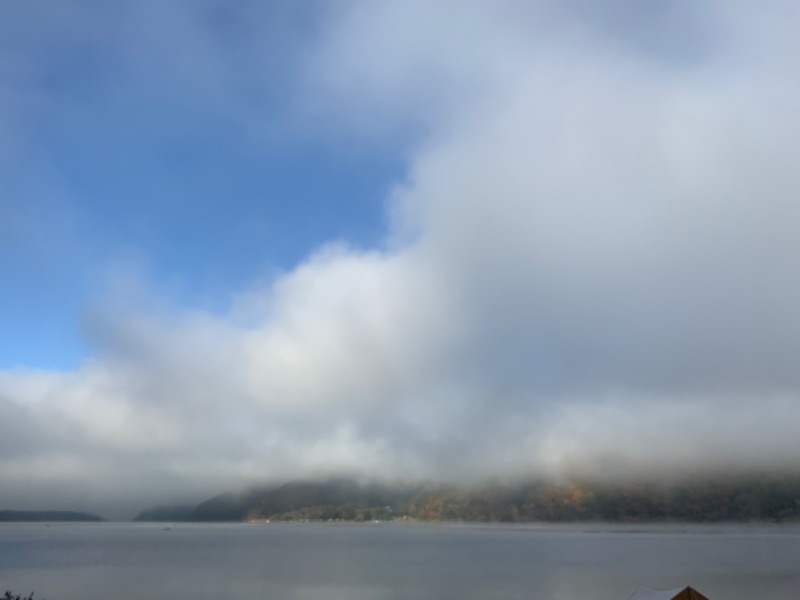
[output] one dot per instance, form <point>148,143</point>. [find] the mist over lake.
<point>244,243</point>
<point>396,561</point>
<point>479,261</point>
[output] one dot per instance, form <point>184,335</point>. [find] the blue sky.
<point>244,242</point>
<point>112,162</point>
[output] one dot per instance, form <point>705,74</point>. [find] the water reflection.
<point>353,562</point>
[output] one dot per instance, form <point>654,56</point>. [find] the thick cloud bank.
<point>592,264</point>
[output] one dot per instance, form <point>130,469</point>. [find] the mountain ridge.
<point>760,497</point>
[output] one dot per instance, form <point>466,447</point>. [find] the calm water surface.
<point>112,561</point>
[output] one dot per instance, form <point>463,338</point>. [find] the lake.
<point>342,561</point>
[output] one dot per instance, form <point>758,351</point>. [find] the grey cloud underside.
<point>591,264</point>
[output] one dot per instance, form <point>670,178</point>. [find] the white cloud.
<point>591,264</point>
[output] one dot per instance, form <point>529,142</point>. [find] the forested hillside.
<point>751,498</point>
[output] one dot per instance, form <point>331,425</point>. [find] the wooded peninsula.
<point>46,516</point>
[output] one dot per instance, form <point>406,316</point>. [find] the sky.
<point>243,242</point>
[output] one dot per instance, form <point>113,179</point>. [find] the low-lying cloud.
<point>590,265</point>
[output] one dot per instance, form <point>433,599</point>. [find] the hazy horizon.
<point>242,243</point>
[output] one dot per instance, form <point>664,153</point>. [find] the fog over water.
<point>589,264</point>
